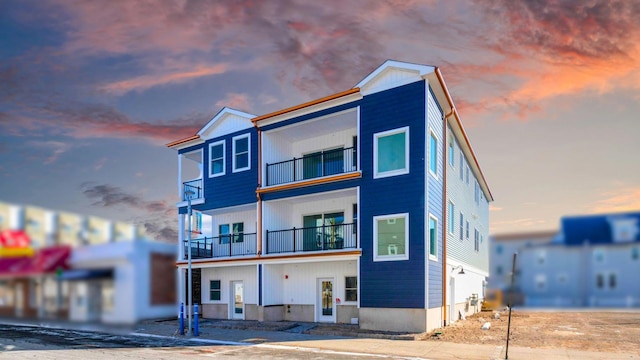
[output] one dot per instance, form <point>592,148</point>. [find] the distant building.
<point>83,268</point>
<point>593,261</point>
<point>365,206</point>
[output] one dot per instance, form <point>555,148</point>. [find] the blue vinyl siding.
<point>393,284</point>
<point>231,189</point>
<point>435,206</point>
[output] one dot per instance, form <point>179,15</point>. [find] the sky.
<point>91,91</point>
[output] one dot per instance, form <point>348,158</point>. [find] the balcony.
<point>311,166</point>
<point>318,238</point>
<point>222,246</point>
<point>193,187</point>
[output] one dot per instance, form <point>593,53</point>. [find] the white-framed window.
<point>231,232</point>
<point>467,232</point>
<point>241,152</point>
<point>216,158</point>
<point>215,290</point>
<point>452,217</point>
<point>351,288</point>
<point>541,282</point>
<point>476,242</point>
<point>433,238</point>
<point>461,226</point>
<point>391,237</point>
<point>391,153</point>
<point>598,255</point>
<point>433,154</point>
<point>461,166</point>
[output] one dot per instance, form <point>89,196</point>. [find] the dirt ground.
<point>591,331</point>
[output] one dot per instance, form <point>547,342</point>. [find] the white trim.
<point>405,170</point>
<point>421,70</point>
<point>221,113</point>
<point>433,257</point>
<point>312,109</point>
<point>432,133</point>
<point>359,139</point>
<point>193,202</point>
<point>345,302</point>
<point>394,257</point>
<point>233,155</point>
<point>224,158</point>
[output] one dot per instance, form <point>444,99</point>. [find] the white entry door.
<point>325,301</point>
<point>452,301</point>
<point>237,300</point>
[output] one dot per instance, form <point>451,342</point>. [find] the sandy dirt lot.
<point>592,331</point>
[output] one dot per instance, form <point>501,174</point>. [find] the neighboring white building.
<point>84,268</point>
<point>335,210</point>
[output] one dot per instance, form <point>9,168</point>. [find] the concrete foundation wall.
<point>299,313</point>
<point>409,320</point>
<point>273,313</point>
<point>251,312</point>
<point>215,311</point>
<point>345,313</point>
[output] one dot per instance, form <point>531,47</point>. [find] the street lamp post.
<point>188,193</point>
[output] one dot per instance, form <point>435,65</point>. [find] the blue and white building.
<point>367,206</point>
<point>593,261</point>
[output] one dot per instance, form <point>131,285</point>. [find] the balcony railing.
<point>319,238</point>
<point>194,187</point>
<point>323,163</point>
<point>222,246</point>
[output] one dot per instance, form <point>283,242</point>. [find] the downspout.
<point>258,195</point>
<point>445,210</point>
<point>444,195</point>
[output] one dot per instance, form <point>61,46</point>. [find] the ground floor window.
<point>351,288</point>
<point>214,290</point>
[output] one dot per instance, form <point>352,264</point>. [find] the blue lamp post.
<point>188,194</point>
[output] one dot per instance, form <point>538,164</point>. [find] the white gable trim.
<point>393,74</point>
<point>221,116</point>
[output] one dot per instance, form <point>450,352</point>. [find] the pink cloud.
<point>235,101</point>
<point>623,199</point>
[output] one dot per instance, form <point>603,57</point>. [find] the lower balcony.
<point>242,244</point>
<point>315,238</point>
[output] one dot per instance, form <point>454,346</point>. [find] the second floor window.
<point>391,153</point>
<point>241,153</point>
<point>216,159</point>
<point>433,154</point>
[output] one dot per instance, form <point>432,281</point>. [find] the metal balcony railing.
<point>194,187</point>
<point>222,246</point>
<point>322,163</point>
<point>319,238</point>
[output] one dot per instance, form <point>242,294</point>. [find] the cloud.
<point>100,163</point>
<point>158,217</point>
<point>619,200</point>
<point>54,149</point>
<point>494,208</point>
<point>235,101</point>
<point>144,82</point>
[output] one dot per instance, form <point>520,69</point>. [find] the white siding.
<point>227,124</point>
<point>246,274</point>
<point>300,286</point>
<point>342,138</point>
<point>390,78</point>
<point>276,148</point>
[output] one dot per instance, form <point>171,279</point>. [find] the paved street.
<point>22,342</point>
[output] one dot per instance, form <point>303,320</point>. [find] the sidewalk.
<point>288,335</point>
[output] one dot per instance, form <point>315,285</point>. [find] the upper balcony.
<point>322,147</point>
<point>190,177</point>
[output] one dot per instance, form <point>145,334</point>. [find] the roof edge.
<point>177,142</point>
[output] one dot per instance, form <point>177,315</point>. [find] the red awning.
<point>14,238</point>
<point>45,261</point>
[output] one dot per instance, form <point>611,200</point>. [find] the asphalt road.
<point>24,342</point>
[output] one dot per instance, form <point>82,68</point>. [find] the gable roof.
<point>201,135</point>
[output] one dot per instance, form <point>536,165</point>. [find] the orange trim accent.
<point>174,143</point>
<point>464,134</point>
<point>307,104</point>
<point>353,175</point>
<point>277,257</point>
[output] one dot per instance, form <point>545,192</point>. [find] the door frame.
<point>232,301</point>
<point>318,303</point>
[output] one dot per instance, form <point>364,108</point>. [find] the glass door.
<point>238,300</point>
<point>326,303</point>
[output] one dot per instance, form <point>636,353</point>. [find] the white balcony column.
<point>180,187</point>
<point>181,236</point>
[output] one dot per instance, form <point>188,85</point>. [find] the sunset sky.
<point>90,91</point>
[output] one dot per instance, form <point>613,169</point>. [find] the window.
<point>599,281</point>
<point>216,159</point>
<point>433,238</point>
<point>476,242</point>
<point>214,290</point>
<point>542,257</point>
<point>598,255</point>
<point>452,219</point>
<point>467,179</point>
<point>467,230</point>
<point>355,219</point>
<point>391,153</point>
<point>452,161</point>
<point>236,233</point>
<point>391,237</point>
<point>461,226</point>
<point>612,281</point>
<point>499,249</point>
<point>242,152</point>
<point>499,270</point>
<point>433,154</point>
<point>476,193</point>
<point>351,288</point>
<point>461,166</point>
<point>541,282</point>
<point>635,253</point>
